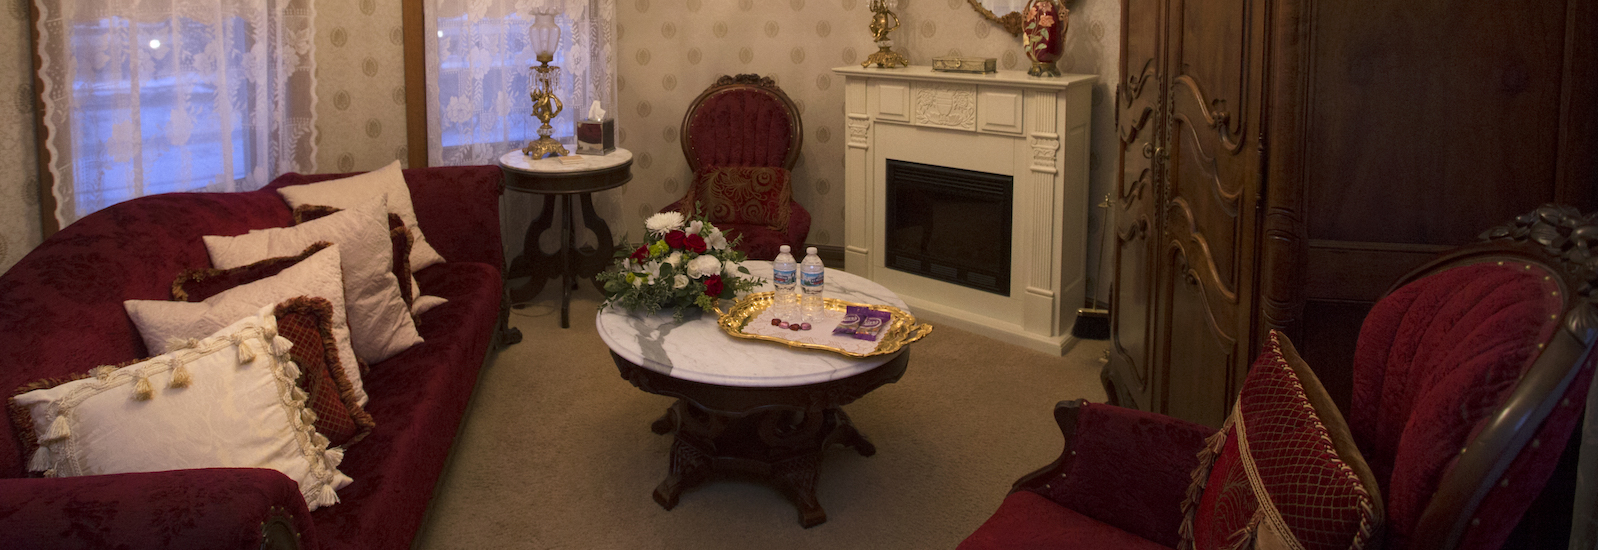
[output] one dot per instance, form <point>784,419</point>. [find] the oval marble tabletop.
<point>696,350</point>
<point>515,160</point>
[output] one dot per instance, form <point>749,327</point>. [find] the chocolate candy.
<point>775,321</point>
<point>782,325</point>
<point>872,323</point>
<point>804,326</point>
<point>794,326</point>
<point>851,320</point>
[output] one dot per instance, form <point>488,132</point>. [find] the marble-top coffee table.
<point>749,406</point>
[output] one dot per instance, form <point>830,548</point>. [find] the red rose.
<point>641,254</point>
<point>695,243</point>
<point>674,239</point>
<point>713,286</point>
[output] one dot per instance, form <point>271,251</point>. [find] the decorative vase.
<point>1043,35</point>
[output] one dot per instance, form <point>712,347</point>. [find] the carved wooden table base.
<point>774,433</point>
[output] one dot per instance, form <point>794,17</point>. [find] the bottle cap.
<point>784,249</point>
<point>811,250</point>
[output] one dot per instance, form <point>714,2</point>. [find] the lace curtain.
<point>157,96</point>
<point>478,79</point>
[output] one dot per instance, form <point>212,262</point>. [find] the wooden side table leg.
<point>848,435</point>
<point>531,262</point>
<point>798,477</point>
<point>591,262</point>
<point>689,467</point>
<point>566,277</point>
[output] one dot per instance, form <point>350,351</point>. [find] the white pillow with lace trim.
<point>164,325</point>
<point>380,324</point>
<point>228,402</point>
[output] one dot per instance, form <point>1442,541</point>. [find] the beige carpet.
<point>556,452</point>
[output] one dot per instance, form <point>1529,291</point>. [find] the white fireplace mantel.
<point>1032,129</point>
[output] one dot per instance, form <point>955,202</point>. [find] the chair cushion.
<point>741,195</point>
<point>1283,472</point>
<point>1028,521</point>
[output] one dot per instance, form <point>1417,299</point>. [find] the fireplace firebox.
<point>949,224</point>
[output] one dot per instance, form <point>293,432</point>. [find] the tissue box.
<point>596,137</point>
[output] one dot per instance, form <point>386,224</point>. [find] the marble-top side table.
<point>749,406</point>
<point>565,184</point>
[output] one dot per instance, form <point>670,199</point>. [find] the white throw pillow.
<point>380,325</point>
<point>162,323</point>
<point>239,408</point>
<point>354,190</point>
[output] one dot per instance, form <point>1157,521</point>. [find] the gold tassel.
<point>269,333</point>
<point>41,460</point>
<point>318,440</point>
<point>59,429</point>
<point>308,416</point>
<point>291,370</point>
<point>174,344</point>
<point>142,390</point>
<point>297,394</point>
<point>102,372</point>
<point>180,376</point>
<point>281,346</point>
<point>49,473</point>
<point>333,457</point>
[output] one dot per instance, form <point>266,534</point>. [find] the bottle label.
<point>782,278</point>
<point>813,279</point>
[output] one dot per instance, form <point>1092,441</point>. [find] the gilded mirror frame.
<point>1010,21</point>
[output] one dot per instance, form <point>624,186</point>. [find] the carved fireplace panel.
<point>1031,131</point>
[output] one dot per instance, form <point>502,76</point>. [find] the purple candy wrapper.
<point>851,320</point>
<point>872,323</point>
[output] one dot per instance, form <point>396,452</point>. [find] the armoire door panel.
<point>1214,54</point>
<point>1196,350</point>
<point>1129,297</point>
<point>1205,204</point>
<point>1432,120</point>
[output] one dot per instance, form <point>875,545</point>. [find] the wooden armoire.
<point>1283,162</point>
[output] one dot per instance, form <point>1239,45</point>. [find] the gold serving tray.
<point>902,328</point>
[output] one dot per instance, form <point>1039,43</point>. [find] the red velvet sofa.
<point>61,312</point>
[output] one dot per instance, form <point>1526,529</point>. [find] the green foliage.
<point>648,282</point>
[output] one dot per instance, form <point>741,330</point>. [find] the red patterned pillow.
<point>1283,472</point>
<point>195,285</point>
<point>753,195</point>
<point>308,323</point>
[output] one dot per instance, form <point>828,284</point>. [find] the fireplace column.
<point>1034,130</point>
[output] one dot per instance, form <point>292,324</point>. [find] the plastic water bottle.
<point>812,278</point>
<point>785,276</point>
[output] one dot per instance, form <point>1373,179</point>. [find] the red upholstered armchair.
<point>742,137</point>
<point>1470,377</point>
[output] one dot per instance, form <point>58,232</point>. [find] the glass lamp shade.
<point>544,35</point>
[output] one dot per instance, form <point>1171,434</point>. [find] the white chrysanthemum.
<point>675,259</point>
<point>679,281</point>
<point>664,222</point>
<point>716,241</point>
<point>730,269</point>
<point>695,226</point>
<point>704,266</point>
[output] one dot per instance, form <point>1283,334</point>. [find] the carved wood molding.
<point>859,132</point>
<point>1045,150</point>
<point>747,80</point>
<point>1564,233</point>
<point>946,106</point>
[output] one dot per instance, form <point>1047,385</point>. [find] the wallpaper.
<point>19,183</point>
<point>671,50</point>
<point>360,85</point>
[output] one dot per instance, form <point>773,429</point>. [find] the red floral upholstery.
<point>1299,468</point>
<point>745,122</point>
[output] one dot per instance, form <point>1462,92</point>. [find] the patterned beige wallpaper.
<point>19,184</point>
<point>670,50</point>
<point>360,85</point>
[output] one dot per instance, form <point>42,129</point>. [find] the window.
<point>182,95</point>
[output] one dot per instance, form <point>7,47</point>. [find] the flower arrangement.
<point>682,263</point>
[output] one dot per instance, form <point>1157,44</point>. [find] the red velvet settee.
<point>61,312</point>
